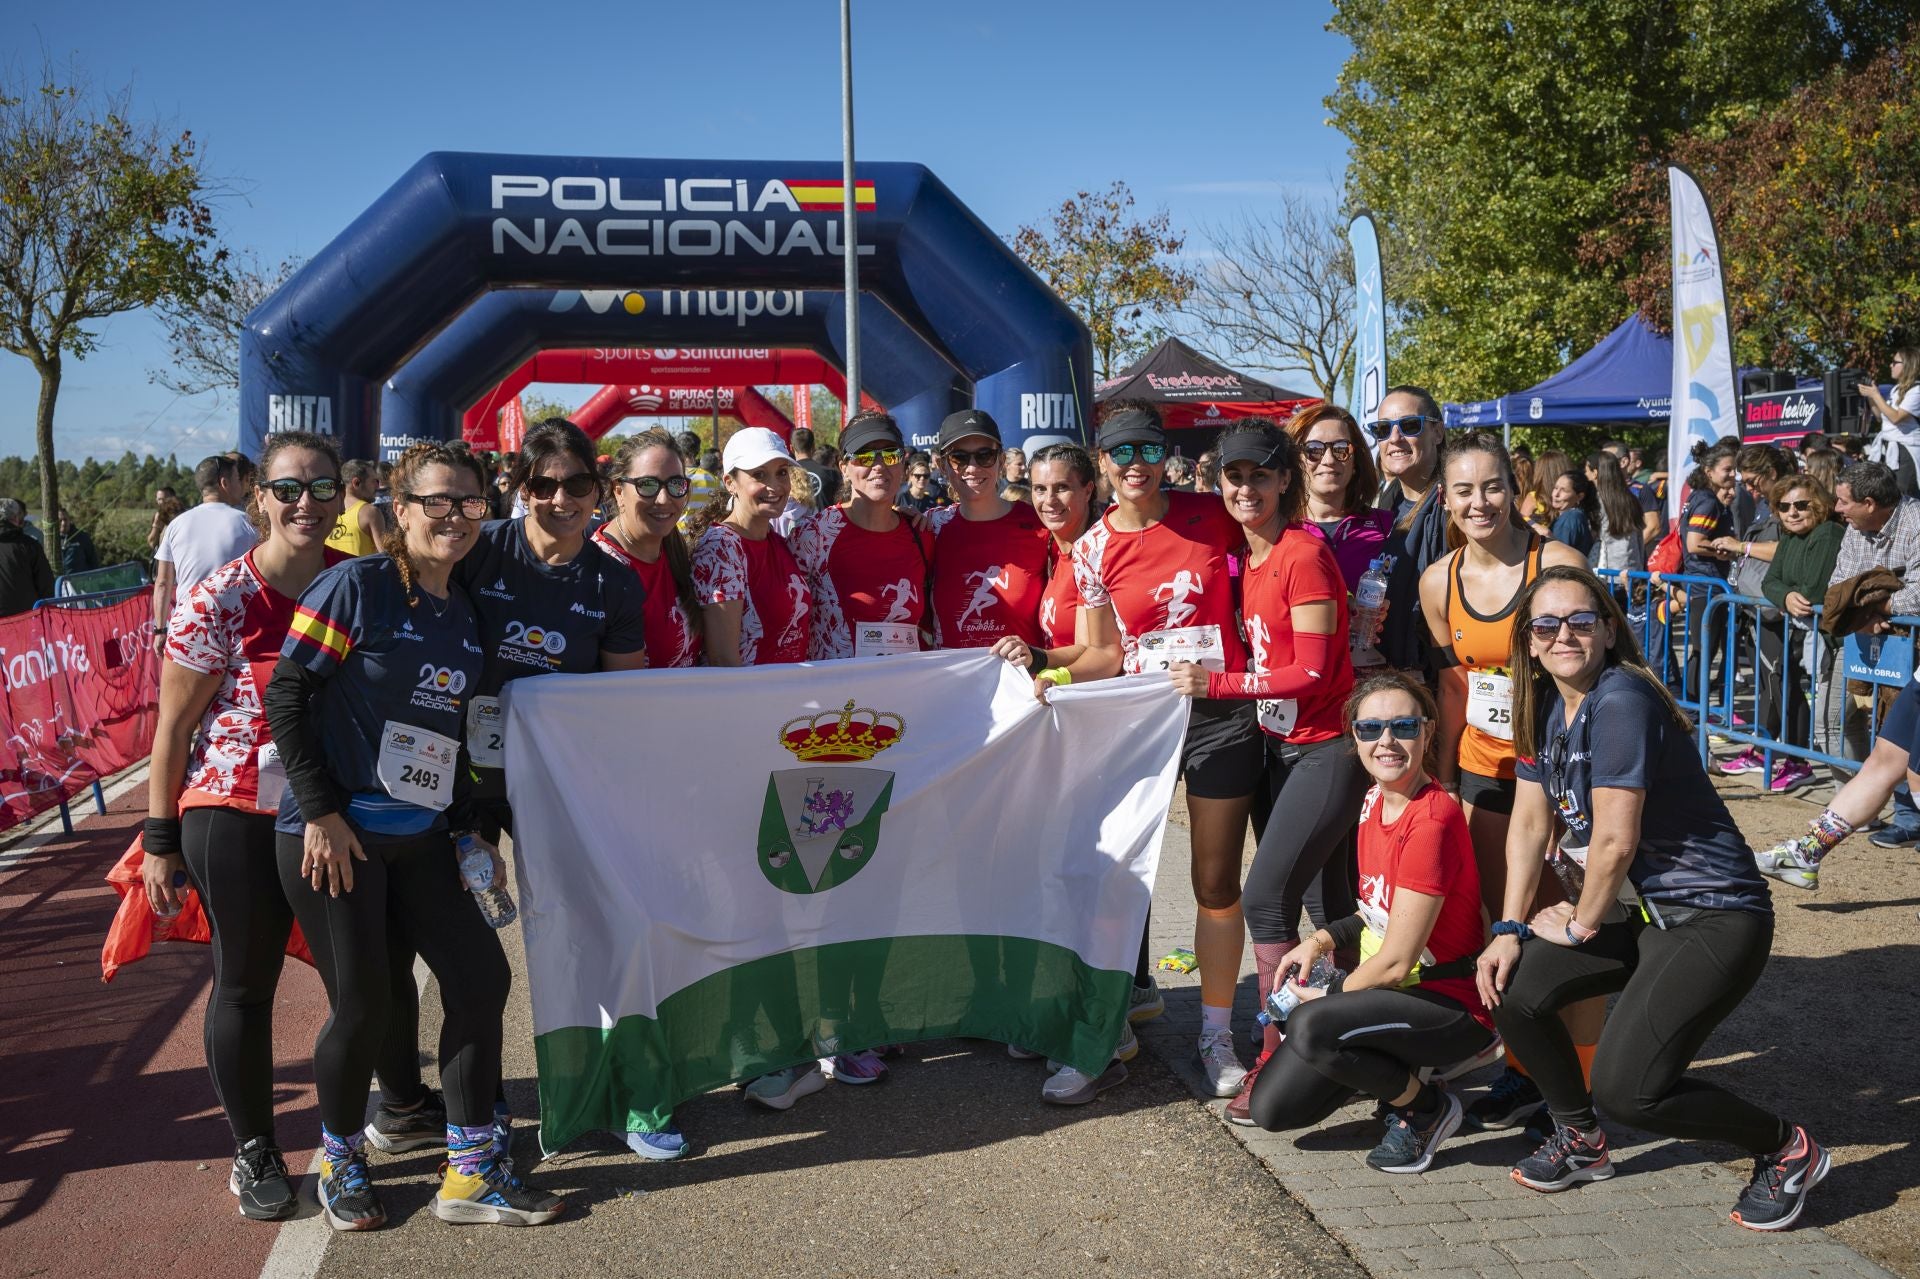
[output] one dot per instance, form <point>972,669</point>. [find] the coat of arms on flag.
<point>821,822</point>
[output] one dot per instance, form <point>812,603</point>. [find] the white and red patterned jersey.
<point>988,576</point>
<point>777,605</point>
<point>1171,574</point>
<point>671,639</point>
<point>1060,602</point>
<point>858,576</point>
<point>233,624</point>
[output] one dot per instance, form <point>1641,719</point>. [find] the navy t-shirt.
<point>388,667</point>
<point>1706,515</point>
<point>1902,718</point>
<point>1624,735</point>
<point>1653,498</point>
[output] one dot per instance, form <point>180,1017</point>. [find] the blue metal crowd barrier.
<point>1663,625</point>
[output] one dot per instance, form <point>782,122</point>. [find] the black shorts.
<point>1226,754</point>
<point>1494,794</point>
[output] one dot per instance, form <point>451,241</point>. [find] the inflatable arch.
<point>611,405</point>
<point>455,225</point>
<point>488,345</point>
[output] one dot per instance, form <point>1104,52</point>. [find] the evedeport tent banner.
<point>725,872</point>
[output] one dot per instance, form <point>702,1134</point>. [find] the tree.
<point>1279,293</point>
<point>1119,273</point>
<point>98,215</point>
<point>1818,208</point>
<point>1488,139</point>
<point>203,329</point>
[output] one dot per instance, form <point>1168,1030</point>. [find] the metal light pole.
<point>849,210</point>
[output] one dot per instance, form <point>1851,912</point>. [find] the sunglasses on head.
<point>1547,627</point>
<point>1797,507</point>
<point>1409,426</point>
<point>1342,450</point>
<point>287,492</point>
<point>975,457</point>
<point>1124,454</point>
<point>878,457</point>
<point>581,484</point>
<point>649,486</point>
<point>1404,727</point>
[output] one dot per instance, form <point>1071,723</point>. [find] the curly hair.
<point>401,480</point>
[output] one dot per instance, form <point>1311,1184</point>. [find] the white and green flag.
<point>723,872</point>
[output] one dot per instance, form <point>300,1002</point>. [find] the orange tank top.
<point>1483,645</point>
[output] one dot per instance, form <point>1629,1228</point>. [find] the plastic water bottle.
<point>1369,602</point>
<point>1282,1002</point>
<point>476,870</point>
<point>163,921</point>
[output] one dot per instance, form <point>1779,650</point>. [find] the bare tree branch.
<point>203,332</point>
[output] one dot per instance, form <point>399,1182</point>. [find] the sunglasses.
<point>878,457</point>
<point>1404,727</point>
<point>1342,450</point>
<point>977,457</point>
<point>1796,507</point>
<point>1546,627</point>
<point>581,484</point>
<point>1124,454</point>
<point>919,475</point>
<point>649,486</point>
<point>437,506</point>
<point>1410,426</point>
<point>287,492</point>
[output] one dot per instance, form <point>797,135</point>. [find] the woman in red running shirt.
<point>754,597</point>
<point>1083,643</point>
<point>1412,1005</point>
<point>989,554</point>
<point>650,488</point>
<point>1157,562</point>
<point>214,792</point>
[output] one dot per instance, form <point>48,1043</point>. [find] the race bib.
<point>1277,716</point>
<point>1376,934</point>
<point>1159,650</point>
<point>1490,703</point>
<point>486,732</point>
<point>1570,864</point>
<point>884,639</point>
<point>415,766</point>
<point>273,779</point>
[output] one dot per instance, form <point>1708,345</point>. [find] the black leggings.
<point>230,857</point>
<point>1676,985</point>
<point>1306,839</point>
<point>416,881</point>
<point>1362,1042</point>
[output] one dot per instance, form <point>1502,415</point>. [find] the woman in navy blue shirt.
<point>1664,905</point>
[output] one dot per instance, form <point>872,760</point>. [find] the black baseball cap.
<point>958,426</point>
<point>1260,445</point>
<point>1131,426</point>
<point>868,430</point>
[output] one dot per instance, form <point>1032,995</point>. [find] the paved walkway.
<point>1664,1214</point>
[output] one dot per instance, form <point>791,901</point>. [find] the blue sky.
<point>310,110</point>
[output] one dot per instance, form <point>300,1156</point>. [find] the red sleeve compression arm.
<point>1312,658</point>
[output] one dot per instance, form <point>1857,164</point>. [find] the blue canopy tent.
<point>1626,378</point>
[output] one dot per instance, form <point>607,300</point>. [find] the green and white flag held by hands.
<point>724,872</point>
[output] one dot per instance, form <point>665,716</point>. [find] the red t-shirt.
<point>988,576</point>
<point>857,576</point>
<point>1170,574</point>
<point>671,640</point>
<point>1428,850</point>
<point>763,576</point>
<point>1060,602</point>
<point>1299,570</point>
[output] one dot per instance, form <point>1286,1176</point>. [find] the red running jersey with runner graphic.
<point>1169,575</point>
<point>1299,570</point>
<point>988,576</point>
<point>858,576</point>
<point>1060,602</point>
<point>1426,850</point>
<point>671,640</point>
<point>766,579</point>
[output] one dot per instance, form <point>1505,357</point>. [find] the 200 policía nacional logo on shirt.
<point>820,824</point>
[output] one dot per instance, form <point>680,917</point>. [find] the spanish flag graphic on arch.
<point>829,195</point>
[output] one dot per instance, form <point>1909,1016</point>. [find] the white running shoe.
<point>1222,1065</point>
<point>1145,1003</point>
<point>1068,1087</point>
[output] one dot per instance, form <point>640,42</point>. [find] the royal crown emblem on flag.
<point>821,822</point>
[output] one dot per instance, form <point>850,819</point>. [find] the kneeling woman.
<point>1665,906</point>
<point>1411,1003</point>
<point>367,706</point>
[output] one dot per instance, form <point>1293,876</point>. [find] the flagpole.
<point>849,207</point>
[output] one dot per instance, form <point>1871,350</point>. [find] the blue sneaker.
<point>1895,836</point>
<point>666,1144</point>
<point>347,1198</point>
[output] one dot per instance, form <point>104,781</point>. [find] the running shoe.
<point>1496,1049</point>
<point>782,1088</point>
<point>666,1144</point>
<point>855,1068</point>
<point>1781,1182</point>
<point>1069,1087</point>
<point>1789,774</point>
<point>1507,1103</point>
<point>493,1196</point>
<point>394,1132</point>
<point>1409,1145</point>
<point>347,1197</point>
<point>1018,1053</point>
<point>1224,1072</point>
<point>1782,862</point>
<point>1747,761</point>
<point>1894,835</point>
<point>1239,1110</point>
<point>259,1180</point>
<point>1565,1159</point>
<point>1145,1003</point>
<point>1126,1050</point>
